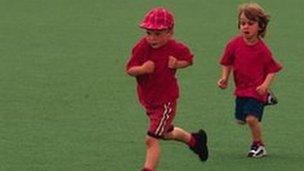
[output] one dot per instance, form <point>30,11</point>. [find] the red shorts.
<point>161,119</point>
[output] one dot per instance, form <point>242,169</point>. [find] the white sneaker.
<point>257,151</point>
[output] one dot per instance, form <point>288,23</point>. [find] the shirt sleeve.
<point>136,57</point>
<point>271,65</point>
<point>185,54</point>
<point>228,55</point>
<point>133,61</point>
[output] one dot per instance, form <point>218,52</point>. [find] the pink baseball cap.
<point>158,19</point>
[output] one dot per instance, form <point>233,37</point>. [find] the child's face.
<point>158,38</point>
<point>249,28</point>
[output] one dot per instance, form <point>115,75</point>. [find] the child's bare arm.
<point>174,63</point>
<point>223,81</point>
<point>263,88</point>
<point>146,68</point>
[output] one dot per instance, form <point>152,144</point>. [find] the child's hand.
<point>262,89</point>
<point>172,63</point>
<point>148,67</point>
<point>222,83</point>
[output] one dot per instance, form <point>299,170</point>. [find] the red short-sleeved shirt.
<point>251,64</point>
<point>160,86</point>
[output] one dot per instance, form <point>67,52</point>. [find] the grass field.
<point>66,103</point>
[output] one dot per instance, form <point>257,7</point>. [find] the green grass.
<point>66,103</point>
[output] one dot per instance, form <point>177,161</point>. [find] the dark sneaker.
<point>271,99</point>
<point>257,151</point>
<point>200,147</point>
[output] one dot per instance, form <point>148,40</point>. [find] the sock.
<point>192,142</point>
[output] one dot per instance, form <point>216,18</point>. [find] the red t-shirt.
<point>160,86</point>
<point>251,64</point>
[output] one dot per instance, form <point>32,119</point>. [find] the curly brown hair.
<point>254,12</point>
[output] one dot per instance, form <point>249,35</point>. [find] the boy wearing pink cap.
<point>153,62</point>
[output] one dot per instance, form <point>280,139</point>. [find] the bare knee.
<point>251,120</point>
<point>150,141</point>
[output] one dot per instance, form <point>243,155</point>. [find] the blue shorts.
<point>245,106</point>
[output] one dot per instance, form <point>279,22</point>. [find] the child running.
<point>254,69</point>
<point>153,62</point>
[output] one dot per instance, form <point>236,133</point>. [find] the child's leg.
<point>197,142</point>
<point>257,148</point>
<point>255,128</point>
<point>250,111</point>
<point>179,135</point>
<point>161,118</point>
<point>152,152</point>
